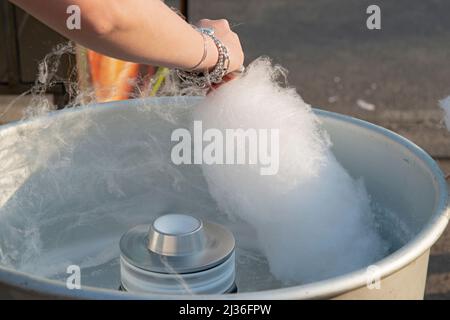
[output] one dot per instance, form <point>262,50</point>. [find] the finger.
<point>203,22</point>
<point>223,23</point>
<point>226,78</point>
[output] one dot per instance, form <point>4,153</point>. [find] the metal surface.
<point>178,254</point>
<point>212,245</point>
<point>219,279</point>
<point>396,172</point>
<point>177,235</point>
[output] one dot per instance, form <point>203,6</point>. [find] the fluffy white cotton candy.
<point>445,105</point>
<point>312,219</point>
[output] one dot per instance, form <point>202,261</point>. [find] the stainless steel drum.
<point>59,176</point>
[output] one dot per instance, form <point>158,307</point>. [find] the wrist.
<point>212,56</point>
<point>218,64</point>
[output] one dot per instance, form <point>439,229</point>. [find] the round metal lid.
<point>177,243</point>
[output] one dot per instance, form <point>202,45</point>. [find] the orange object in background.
<point>112,79</point>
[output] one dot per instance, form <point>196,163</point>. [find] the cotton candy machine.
<point>75,182</point>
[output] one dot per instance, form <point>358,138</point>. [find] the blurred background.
<point>394,77</point>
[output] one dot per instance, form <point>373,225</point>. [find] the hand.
<point>230,39</point>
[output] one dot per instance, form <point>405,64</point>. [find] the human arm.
<point>142,31</point>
